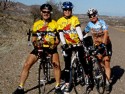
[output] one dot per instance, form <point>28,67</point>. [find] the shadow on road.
<point>117,73</point>
<point>37,86</point>
<point>52,81</point>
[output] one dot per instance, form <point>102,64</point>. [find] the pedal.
<point>43,82</point>
<point>99,76</point>
<point>62,87</point>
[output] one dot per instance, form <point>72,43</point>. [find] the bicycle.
<point>45,65</point>
<point>98,72</point>
<point>76,69</point>
<point>44,70</point>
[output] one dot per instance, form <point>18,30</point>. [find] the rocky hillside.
<point>14,25</point>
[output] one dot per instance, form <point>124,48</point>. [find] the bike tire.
<point>83,76</point>
<point>99,78</point>
<point>41,79</point>
<point>73,76</point>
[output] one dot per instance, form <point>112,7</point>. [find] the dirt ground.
<point>13,54</point>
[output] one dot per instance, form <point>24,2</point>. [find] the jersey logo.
<point>68,38</point>
<point>67,27</point>
<point>67,31</point>
<point>44,28</point>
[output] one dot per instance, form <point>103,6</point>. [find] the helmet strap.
<point>47,20</point>
<point>68,17</point>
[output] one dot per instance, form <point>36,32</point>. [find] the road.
<point>13,55</point>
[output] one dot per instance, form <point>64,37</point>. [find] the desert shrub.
<point>5,4</point>
<point>35,11</point>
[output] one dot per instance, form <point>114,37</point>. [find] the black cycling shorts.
<point>50,51</point>
<point>109,50</point>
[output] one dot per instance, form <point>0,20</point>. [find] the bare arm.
<point>57,41</point>
<point>105,38</point>
<point>34,38</point>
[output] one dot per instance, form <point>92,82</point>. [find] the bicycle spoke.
<point>44,75</point>
<point>100,80</point>
<point>41,80</point>
<point>75,74</point>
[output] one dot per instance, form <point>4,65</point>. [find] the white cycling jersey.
<point>99,25</point>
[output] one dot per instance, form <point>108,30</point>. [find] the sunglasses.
<point>92,15</point>
<point>67,9</point>
<point>46,12</point>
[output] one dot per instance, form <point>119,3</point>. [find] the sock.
<point>21,85</point>
<point>57,84</point>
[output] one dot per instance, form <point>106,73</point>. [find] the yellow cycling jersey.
<point>68,26</point>
<point>49,28</point>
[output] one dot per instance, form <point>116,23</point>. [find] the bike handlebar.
<point>92,50</point>
<point>29,35</point>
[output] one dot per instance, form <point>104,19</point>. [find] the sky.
<point>104,7</point>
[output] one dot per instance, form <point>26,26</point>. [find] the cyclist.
<point>48,25</point>
<point>70,33</point>
<point>99,30</point>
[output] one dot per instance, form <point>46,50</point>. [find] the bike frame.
<point>75,67</point>
<point>44,67</point>
<point>91,54</point>
<point>45,62</point>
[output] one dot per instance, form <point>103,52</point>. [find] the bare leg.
<point>27,65</point>
<point>57,69</point>
<point>107,67</point>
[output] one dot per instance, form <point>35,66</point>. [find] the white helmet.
<point>92,11</point>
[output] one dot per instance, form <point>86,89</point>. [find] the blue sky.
<point>105,7</point>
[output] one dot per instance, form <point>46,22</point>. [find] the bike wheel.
<point>41,78</point>
<point>82,75</point>
<point>99,78</point>
<point>73,74</point>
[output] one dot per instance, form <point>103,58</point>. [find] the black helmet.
<point>46,6</point>
<point>67,5</point>
<point>92,11</point>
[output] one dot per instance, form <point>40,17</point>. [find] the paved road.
<point>13,56</point>
<point>118,61</point>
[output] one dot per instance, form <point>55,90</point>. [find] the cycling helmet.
<point>46,6</point>
<point>66,5</point>
<point>92,11</point>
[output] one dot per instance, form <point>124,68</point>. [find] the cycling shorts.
<point>109,50</point>
<point>50,51</point>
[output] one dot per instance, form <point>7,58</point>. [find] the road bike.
<point>44,70</point>
<point>77,73</point>
<point>45,66</point>
<point>98,72</point>
<point>45,62</point>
